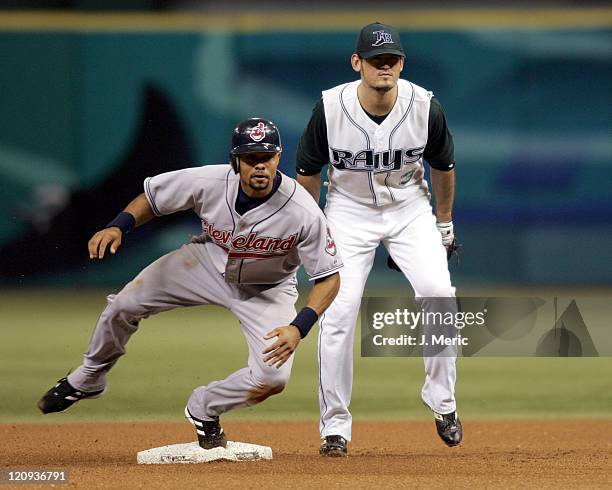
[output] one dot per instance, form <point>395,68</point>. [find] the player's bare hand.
<point>288,339</point>
<point>108,237</point>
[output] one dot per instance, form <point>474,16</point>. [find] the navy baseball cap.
<point>377,38</point>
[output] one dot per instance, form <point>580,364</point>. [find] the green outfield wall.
<point>92,102</point>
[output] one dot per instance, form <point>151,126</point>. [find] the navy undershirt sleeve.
<point>440,149</point>
<point>312,151</point>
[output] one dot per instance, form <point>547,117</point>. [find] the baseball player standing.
<point>375,133</point>
<point>258,226</point>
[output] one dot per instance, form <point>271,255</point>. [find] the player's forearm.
<point>312,183</point>
<point>443,184</point>
<point>135,214</point>
<point>140,208</point>
<point>323,293</point>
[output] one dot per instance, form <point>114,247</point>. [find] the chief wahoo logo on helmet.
<point>258,132</point>
<point>254,135</point>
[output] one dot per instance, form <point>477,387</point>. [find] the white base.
<point>192,453</point>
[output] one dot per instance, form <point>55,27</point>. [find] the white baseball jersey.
<point>267,244</point>
<point>377,194</point>
<point>377,163</point>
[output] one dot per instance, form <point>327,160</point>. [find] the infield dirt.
<point>516,453</point>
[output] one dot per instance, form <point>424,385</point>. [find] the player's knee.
<point>276,379</point>
<point>263,391</point>
<point>272,382</point>
<point>436,289</point>
<point>273,389</point>
<point>124,306</point>
<point>119,303</point>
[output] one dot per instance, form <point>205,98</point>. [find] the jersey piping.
<point>365,133</point>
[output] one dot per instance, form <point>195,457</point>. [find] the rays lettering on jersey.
<point>374,161</point>
<point>248,246</point>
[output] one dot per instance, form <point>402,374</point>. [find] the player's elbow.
<point>328,287</point>
<point>329,280</point>
<point>334,285</point>
<point>311,183</point>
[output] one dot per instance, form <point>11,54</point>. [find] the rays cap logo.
<point>376,39</point>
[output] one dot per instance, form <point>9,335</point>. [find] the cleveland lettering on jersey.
<point>251,245</point>
<point>373,161</point>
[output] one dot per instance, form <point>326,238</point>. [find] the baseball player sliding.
<point>375,133</point>
<point>258,226</point>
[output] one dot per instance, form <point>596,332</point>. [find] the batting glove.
<point>448,237</point>
<point>447,232</point>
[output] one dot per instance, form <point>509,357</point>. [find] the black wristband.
<point>124,221</point>
<point>304,320</point>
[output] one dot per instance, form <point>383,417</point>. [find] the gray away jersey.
<point>377,164</point>
<point>265,245</point>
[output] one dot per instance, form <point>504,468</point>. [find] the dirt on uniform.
<point>543,454</point>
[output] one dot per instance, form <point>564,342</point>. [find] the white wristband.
<point>447,231</point>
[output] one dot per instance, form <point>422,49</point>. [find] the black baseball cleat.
<point>449,428</point>
<point>210,433</point>
<point>62,396</point>
<point>333,447</point>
